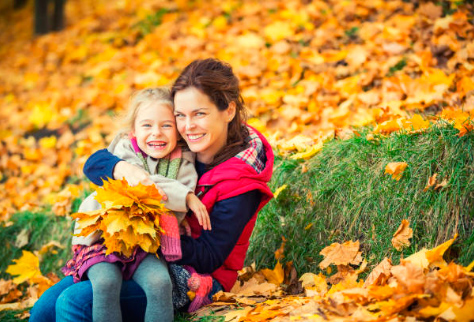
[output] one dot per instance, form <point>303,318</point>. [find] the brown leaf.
<point>380,273</point>
<point>401,237</point>
<point>341,254</point>
<point>431,182</point>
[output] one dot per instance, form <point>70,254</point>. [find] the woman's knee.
<point>44,308</point>
<point>75,303</point>
<point>43,311</point>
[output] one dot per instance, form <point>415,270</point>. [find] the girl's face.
<point>155,130</point>
<point>200,123</point>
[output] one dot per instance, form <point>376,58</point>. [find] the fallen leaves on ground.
<point>27,270</point>
<point>309,71</point>
<point>404,292</point>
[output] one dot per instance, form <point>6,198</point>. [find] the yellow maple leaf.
<point>396,169</point>
<point>435,255</point>
<point>25,268</point>
<point>275,276</point>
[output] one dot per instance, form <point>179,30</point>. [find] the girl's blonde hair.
<point>159,95</point>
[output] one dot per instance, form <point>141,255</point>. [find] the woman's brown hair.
<point>216,79</point>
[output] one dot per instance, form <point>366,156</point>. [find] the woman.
<point>234,164</point>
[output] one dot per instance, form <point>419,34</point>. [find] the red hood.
<point>245,164</point>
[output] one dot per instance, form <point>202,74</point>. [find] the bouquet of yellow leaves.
<point>129,217</point>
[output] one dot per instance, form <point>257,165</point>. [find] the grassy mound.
<point>344,195</point>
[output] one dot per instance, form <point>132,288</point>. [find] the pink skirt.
<point>86,256</point>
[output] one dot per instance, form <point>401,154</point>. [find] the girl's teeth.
<point>156,145</point>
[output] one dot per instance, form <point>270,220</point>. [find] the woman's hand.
<point>134,175</point>
<point>185,228</point>
<point>199,210</point>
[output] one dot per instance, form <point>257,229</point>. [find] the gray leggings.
<point>153,277</point>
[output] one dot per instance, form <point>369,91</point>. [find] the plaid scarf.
<point>254,155</point>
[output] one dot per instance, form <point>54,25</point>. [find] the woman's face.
<point>200,123</point>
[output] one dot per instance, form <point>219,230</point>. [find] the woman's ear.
<point>231,110</point>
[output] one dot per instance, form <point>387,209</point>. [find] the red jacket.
<point>240,174</point>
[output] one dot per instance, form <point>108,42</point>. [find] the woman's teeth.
<point>196,136</point>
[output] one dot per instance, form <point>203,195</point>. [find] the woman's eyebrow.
<point>194,110</point>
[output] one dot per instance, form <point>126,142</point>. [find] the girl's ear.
<point>231,109</point>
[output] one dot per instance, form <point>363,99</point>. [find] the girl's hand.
<point>134,175</point>
<point>184,228</point>
<point>199,210</point>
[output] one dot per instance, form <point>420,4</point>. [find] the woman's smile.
<point>195,137</point>
<point>202,125</point>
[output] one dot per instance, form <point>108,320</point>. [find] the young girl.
<point>149,140</point>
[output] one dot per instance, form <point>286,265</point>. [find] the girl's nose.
<point>156,131</point>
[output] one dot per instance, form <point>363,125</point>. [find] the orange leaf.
<point>401,237</point>
<point>396,169</point>
<point>341,254</point>
<point>275,276</point>
<point>431,182</point>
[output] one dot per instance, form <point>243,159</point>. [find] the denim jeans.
<point>66,301</point>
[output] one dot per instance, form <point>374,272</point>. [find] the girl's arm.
<point>228,219</point>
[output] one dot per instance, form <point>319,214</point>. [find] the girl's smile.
<point>155,130</point>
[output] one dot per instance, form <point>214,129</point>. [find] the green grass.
<point>346,196</point>
<point>41,228</point>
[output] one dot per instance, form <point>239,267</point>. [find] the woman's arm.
<point>100,166</point>
<point>103,165</point>
<point>228,220</point>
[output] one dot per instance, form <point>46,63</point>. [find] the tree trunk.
<point>41,17</point>
<point>58,15</point>
<point>18,4</point>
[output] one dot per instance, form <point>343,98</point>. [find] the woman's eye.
<point>178,115</point>
<point>200,113</point>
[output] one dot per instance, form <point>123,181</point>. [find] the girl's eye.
<point>146,125</point>
<point>168,126</point>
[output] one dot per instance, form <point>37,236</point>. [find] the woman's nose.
<point>189,123</point>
